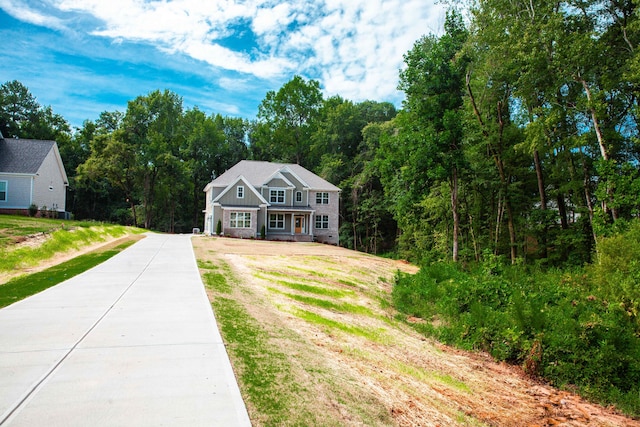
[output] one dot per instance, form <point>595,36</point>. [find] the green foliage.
<point>219,228</point>
<point>576,328</point>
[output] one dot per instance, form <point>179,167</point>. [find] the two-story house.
<point>290,202</point>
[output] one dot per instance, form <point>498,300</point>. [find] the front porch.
<point>291,224</point>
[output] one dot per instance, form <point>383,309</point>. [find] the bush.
<point>219,228</point>
<point>33,210</point>
<point>562,325</point>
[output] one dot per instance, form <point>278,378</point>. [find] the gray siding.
<point>230,197</point>
<point>331,234</point>
<point>18,192</point>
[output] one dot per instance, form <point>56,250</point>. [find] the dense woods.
<point>517,144</point>
<point>517,137</point>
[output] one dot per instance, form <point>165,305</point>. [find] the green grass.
<point>264,372</point>
<point>341,307</point>
<point>25,286</point>
<point>311,289</point>
<point>14,228</point>
<point>330,324</point>
<point>59,240</point>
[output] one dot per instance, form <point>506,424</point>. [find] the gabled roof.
<point>258,173</point>
<point>251,188</point>
<point>23,155</point>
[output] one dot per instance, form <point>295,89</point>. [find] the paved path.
<point>132,342</point>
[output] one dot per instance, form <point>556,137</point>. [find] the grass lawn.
<point>25,286</point>
<point>26,242</point>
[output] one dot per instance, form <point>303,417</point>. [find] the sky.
<point>83,57</point>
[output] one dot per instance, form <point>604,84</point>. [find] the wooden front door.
<point>299,224</point>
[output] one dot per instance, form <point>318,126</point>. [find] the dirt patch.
<point>329,309</point>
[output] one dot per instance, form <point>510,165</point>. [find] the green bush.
<point>574,328</point>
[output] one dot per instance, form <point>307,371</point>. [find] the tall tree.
<point>285,121</point>
<point>434,85</point>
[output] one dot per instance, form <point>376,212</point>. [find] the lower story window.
<point>240,220</point>
<point>3,191</point>
<point>276,221</point>
<point>322,221</point>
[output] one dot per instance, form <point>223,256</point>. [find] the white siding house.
<point>31,173</point>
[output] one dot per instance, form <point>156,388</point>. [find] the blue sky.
<point>83,57</point>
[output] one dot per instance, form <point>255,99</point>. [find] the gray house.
<point>31,172</point>
<point>291,203</point>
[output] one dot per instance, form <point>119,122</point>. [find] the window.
<point>276,196</point>
<point>276,221</point>
<point>298,196</point>
<point>3,191</point>
<point>240,192</point>
<point>240,220</point>
<point>322,221</point>
<point>322,198</point>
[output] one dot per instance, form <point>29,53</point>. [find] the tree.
<point>18,107</point>
<point>434,85</point>
<point>285,122</point>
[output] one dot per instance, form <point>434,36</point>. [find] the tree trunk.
<point>456,215</point>
<point>601,143</point>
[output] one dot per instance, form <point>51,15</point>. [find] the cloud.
<point>19,10</point>
<point>354,47</point>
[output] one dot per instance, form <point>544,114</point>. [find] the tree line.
<point>518,137</point>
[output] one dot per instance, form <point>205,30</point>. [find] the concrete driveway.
<point>132,342</point>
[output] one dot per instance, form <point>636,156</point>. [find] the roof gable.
<point>24,155</point>
<point>258,173</point>
<point>247,183</point>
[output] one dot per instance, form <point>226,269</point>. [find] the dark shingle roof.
<point>23,155</point>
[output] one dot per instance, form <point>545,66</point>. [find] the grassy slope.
<point>26,244</point>
<point>313,340</point>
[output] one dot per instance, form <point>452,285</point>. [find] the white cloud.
<point>354,47</point>
<point>19,10</point>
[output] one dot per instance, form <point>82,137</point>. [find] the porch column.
<point>311,224</point>
<point>293,224</point>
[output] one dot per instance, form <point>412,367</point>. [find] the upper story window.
<point>240,192</point>
<point>3,191</point>
<point>322,198</point>
<point>298,196</point>
<point>276,196</point>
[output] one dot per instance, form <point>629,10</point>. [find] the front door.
<point>299,224</point>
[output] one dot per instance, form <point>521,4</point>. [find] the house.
<point>290,202</point>
<point>31,173</point>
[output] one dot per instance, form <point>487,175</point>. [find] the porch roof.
<point>300,209</point>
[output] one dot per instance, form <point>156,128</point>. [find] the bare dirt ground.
<point>376,370</point>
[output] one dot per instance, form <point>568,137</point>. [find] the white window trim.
<point>298,196</point>
<point>277,190</point>
<point>277,221</point>
<point>320,199</point>
<point>322,221</point>
<point>233,222</point>
<point>6,191</point>
<point>240,192</point>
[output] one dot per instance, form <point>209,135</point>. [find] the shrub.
<point>219,228</point>
<point>561,325</point>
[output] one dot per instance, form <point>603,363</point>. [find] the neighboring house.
<point>31,173</point>
<point>288,200</point>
